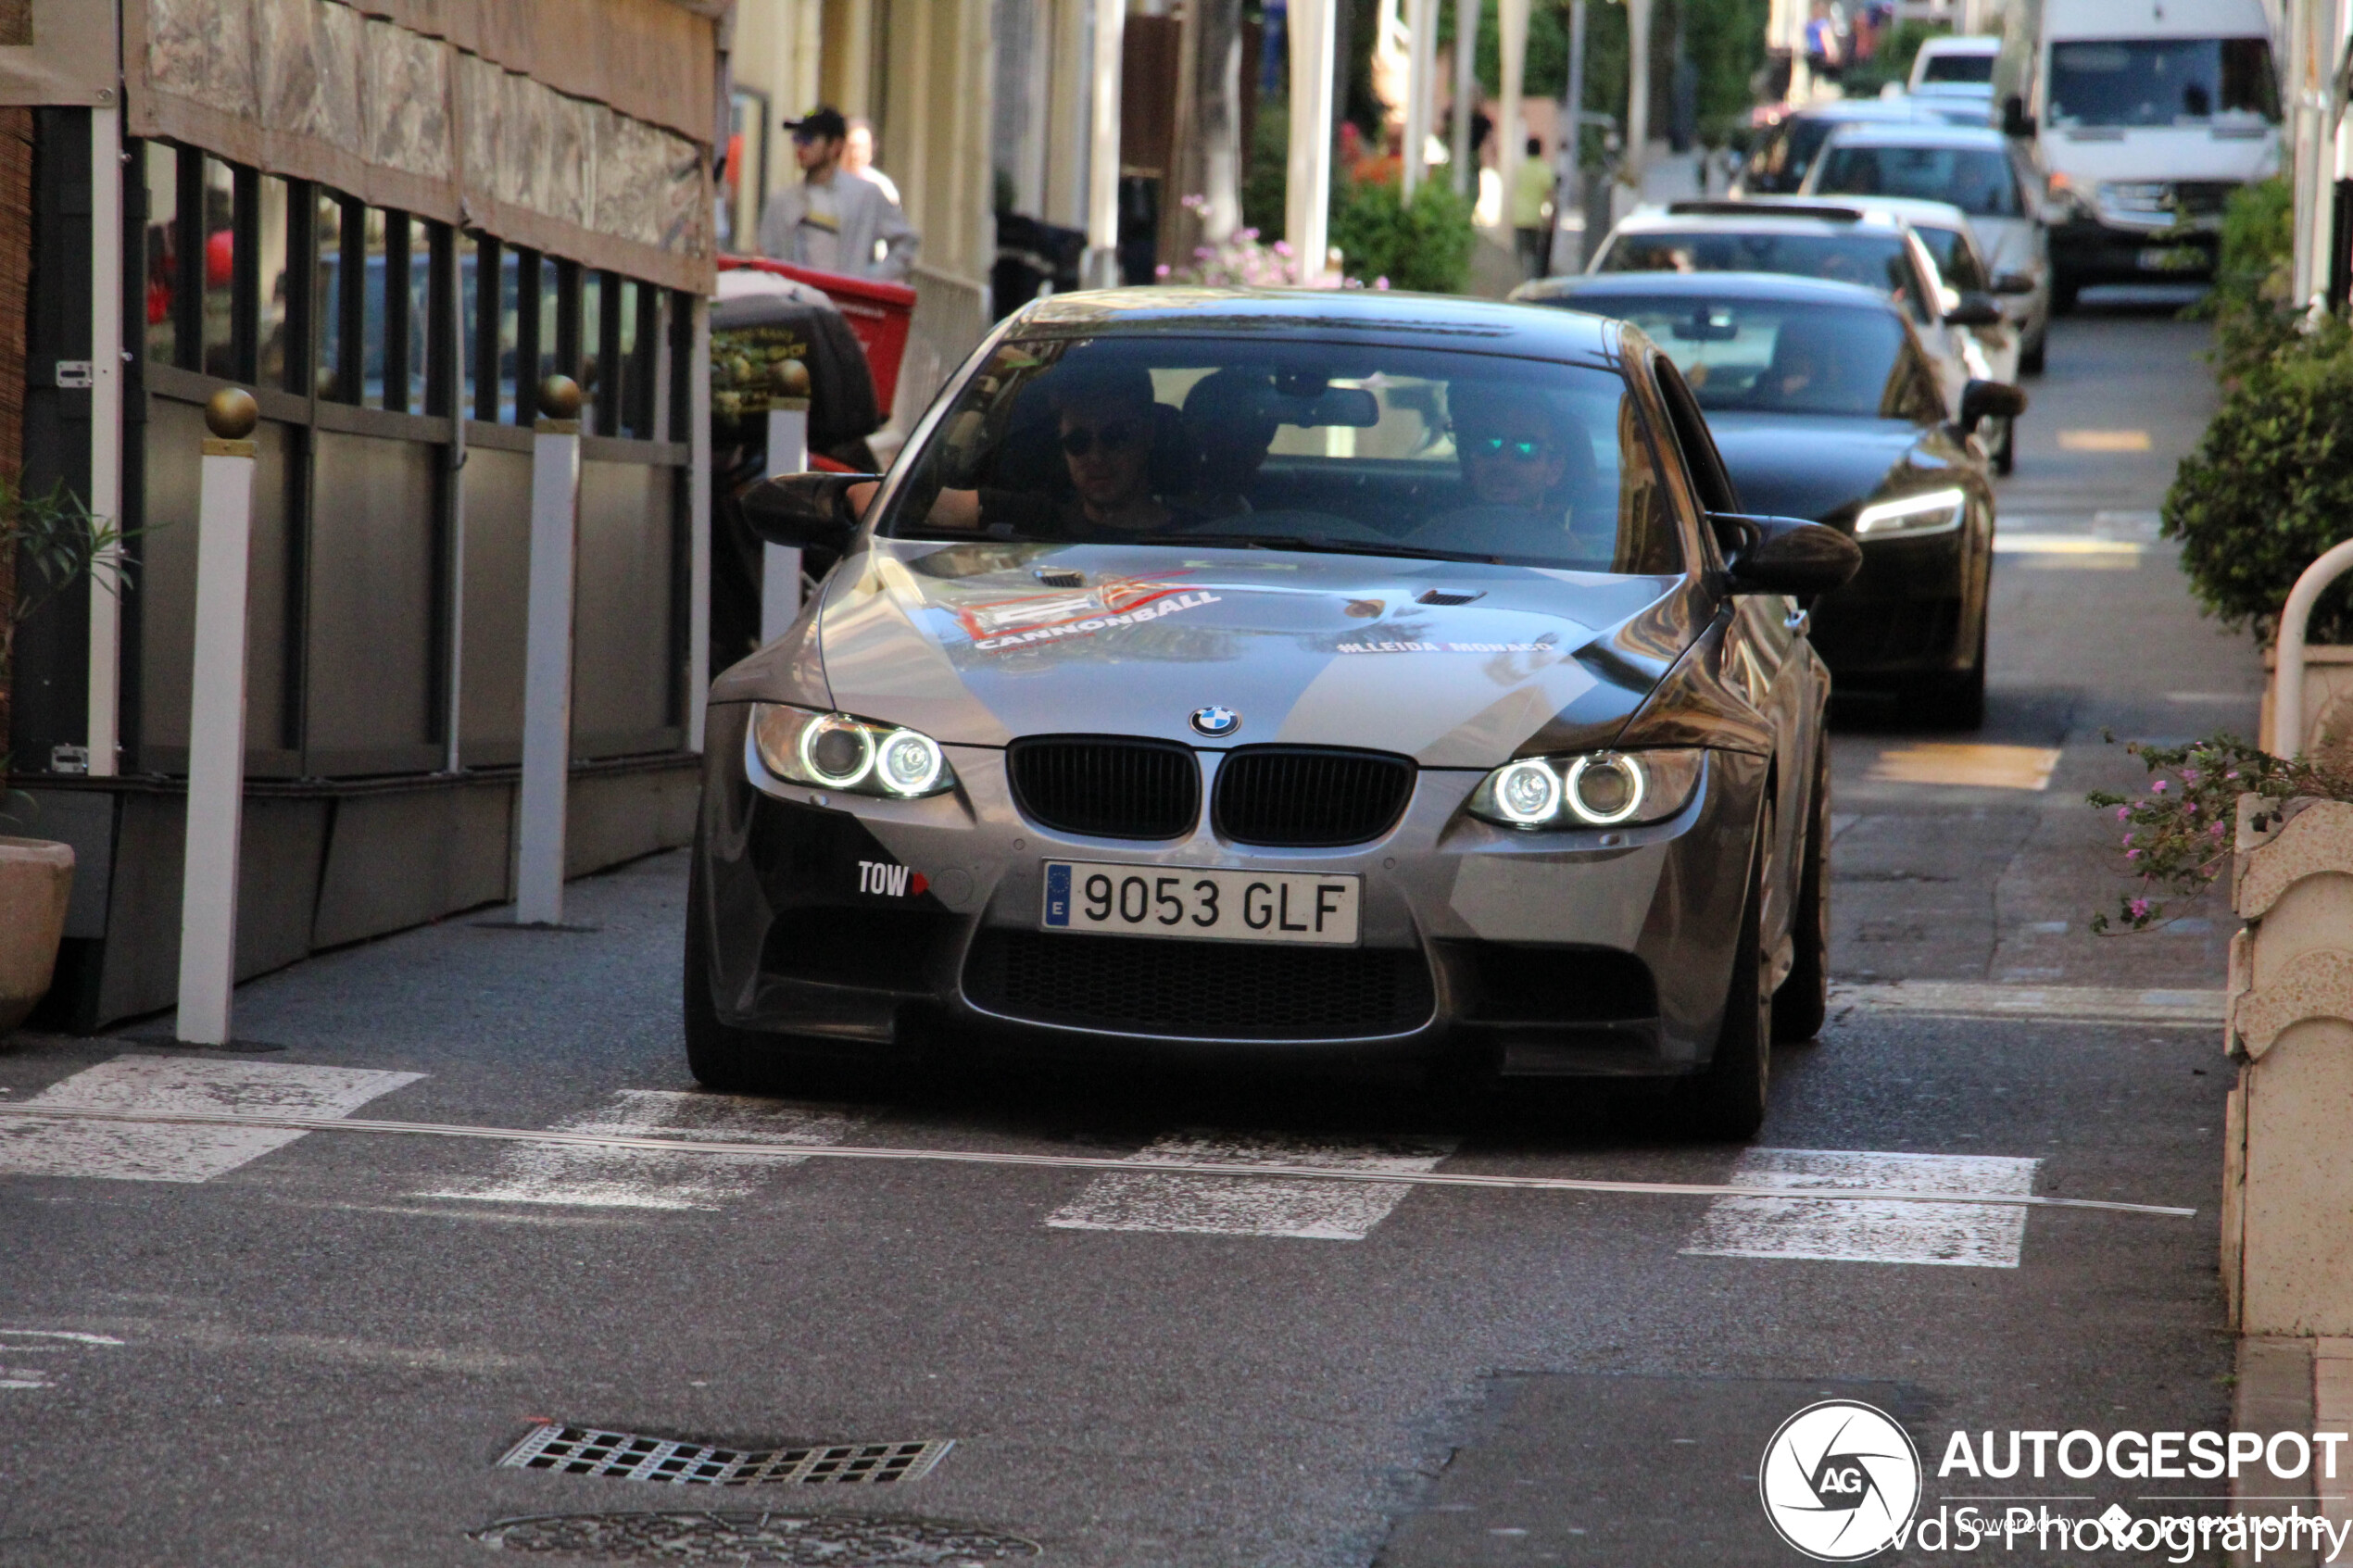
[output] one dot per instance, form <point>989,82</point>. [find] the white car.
<point>1991,178</point>
<point>1956,65</point>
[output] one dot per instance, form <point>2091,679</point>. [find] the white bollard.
<point>780,564</point>
<point>546,687</point>
<point>217,722</point>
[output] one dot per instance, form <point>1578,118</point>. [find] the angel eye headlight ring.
<point>836,750</point>
<point>1606,789</point>
<point>908,763</point>
<point>1528,792</point>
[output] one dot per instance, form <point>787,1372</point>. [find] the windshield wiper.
<point>1315,544</point>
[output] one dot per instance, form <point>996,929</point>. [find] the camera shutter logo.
<point>1840,1481</point>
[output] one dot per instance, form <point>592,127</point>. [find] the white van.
<point>2148,113</point>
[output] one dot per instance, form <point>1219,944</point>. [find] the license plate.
<point>2170,258</point>
<point>1223,905</point>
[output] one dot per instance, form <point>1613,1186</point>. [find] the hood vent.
<point>1060,577</point>
<point>1106,786</point>
<point>1304,797</point>
<point>1447,596</point>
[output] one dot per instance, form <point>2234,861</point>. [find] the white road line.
<point>1274,1206</point>
<point>1472,1181</point>
<point>636,1178</point>
<point>253,1091</point>
<point>1970,1235</point>
<point>41,1341</point>
<point>2072,1004</point>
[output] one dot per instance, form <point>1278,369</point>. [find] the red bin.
<point>877,312</point>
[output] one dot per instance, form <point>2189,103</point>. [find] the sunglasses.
<point>1526,451</point>
<point>1113,436</point>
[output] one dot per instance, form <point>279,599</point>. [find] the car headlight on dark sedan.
<point>1908,517</point>
<point>1593,789</point>
<point>836,751</point>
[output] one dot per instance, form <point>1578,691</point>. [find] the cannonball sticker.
<point>1840,1481</point>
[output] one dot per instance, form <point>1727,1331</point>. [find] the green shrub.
<point>2252,314</point>
<point>1423,245</point>
<point>1268,185</point>
<point>2270,486</point>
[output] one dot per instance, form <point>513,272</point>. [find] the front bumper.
<point>1909,612</point>
<point>2086,252</point>
<point>1558,953</point>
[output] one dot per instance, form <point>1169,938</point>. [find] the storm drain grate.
<point>796,1541</point>
<point>582,1450</point>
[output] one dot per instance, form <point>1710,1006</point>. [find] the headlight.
<point>1939,511</point>
<point>1597,789</point>
<point>836,751</point>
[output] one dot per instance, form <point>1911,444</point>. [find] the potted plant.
<point>55,542</point>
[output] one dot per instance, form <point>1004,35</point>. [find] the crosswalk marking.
<point>1985,1235</point>
<point>31,1146</point>
<point>1232,1205</point>
<point>628,1178</point>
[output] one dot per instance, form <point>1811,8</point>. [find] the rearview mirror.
<point>1784,555</point>
<point>2014,283</point>
<point>1351,407</point>
<point>1975,309</point>
<point>805,510</point>
<point>1982,400</point>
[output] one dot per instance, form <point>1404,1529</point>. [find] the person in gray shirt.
<point>835,221</point>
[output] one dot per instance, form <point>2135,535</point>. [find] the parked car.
<point>1825,240</point>
<point>1993,180</point>
<point>1266,677</point>
<point>1959,71</point>
<point>1822,402</point>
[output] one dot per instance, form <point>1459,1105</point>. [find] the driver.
<point>1526,464</point>
<point>1103,427</point>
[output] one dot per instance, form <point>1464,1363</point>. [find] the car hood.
<point>1810,465</point>
<point>978,644</point>
<point>2158,151</point>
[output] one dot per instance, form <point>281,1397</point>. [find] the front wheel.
<point>1727,1098</point>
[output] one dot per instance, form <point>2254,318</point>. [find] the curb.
<point>2274,1393</point>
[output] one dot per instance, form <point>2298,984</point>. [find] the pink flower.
<point>2139,909</point>
<point>2132,854</point>
<point>2128,839</point>
<point>2124,813</point>
<point>2158,788</point>
<point>1380,283</point>
<point>2189,775</point>
<point>2231,774</point>
<point>2215,831</point>
<point>1160,271</point>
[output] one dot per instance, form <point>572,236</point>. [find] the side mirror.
<point>805,509</point>
<point>1975,309</point>
<point>2016,122</point>
<point>1784,555</point>
<point>2013,282</point>
<point>1982,400</point>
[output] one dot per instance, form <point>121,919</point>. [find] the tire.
<point>721,1057</point>
<point>2005,455</point>
<point>2030,358</point>
<point>1956,701</point>
<point>1727,1098</point>
<point>2064,291</point>
<point>1803,999</point>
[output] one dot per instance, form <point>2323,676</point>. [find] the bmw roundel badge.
<point>1217,721</point>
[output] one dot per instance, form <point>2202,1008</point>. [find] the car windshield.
<point>1953,258</point>
<point>1957,67</point>
<point>1777,356</point>
<point>2133,82</point>
<point>1351,448</point>
<point>1875,259</point>
<point>1977,180</point>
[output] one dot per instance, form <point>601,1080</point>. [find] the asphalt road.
<point>225,1346</point>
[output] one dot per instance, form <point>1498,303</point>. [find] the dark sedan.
<point>1824,406</point>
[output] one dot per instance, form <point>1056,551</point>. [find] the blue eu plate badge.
<point>1058,896</point>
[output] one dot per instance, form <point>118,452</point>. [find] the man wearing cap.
<point>833,220</point>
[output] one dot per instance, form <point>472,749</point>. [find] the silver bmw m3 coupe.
<point>1280,676</point>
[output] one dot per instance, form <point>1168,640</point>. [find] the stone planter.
<point>2287,1196</point>
<point>35,877</point>
<point>2328,699</point>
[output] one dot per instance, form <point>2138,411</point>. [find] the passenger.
<point>1529,467</point>
<point>1230,416</point>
